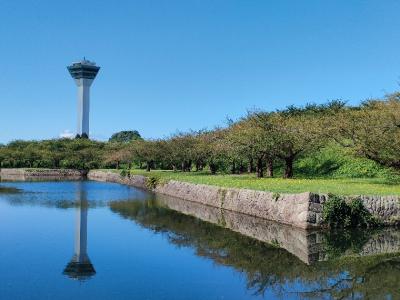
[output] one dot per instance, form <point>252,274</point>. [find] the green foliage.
<point>339,242</point>
<point>124,173</point>
<point>125,136</point>
<point>338,212</point>
<point>276,196</point>
<point>152,182</point>
<point>329,140</point>
<point>337,162</point>
<point>371,130</point>
<point>57,153</point>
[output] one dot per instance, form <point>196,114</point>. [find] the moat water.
<point>91,240</point>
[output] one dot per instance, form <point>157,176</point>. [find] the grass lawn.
<point>348,186</point>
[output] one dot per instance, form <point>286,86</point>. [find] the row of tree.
<point>255,143</point>
<point>261,140</point>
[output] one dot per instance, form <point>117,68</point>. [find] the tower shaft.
<point>83,105</point>
<point>83,72</point>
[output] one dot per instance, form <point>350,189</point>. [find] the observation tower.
<point>83,72</point>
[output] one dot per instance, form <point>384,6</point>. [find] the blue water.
<point>138,250</point>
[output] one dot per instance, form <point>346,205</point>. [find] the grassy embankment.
<point>338,186</point>
<point>330,170</point>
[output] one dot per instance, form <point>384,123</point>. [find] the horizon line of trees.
<point>257,142</point>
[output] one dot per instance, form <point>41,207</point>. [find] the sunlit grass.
<point>347,186</point>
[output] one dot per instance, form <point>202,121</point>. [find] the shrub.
<point>152,182</point>
<point>339,213</point>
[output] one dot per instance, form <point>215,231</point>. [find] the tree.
<point>253,137</point>
<point>214,146</point>
<point>294,134</point>
<point>125,136</point>
<point>116,153</point>
<point>148,151</point>
<point>372,130</point>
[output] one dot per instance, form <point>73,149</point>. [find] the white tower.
<point>83,73</point>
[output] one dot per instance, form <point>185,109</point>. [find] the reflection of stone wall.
<point>303,210</point>
<point>387,241</point>
<point>41,174</point>
<point>306,245</point>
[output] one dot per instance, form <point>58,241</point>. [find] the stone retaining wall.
<point>41,174</point>
<point>303,210</point>
<point>292,209</point>
<point>305,244</point>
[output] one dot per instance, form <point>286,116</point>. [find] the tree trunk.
<point>117,165</point>
<point>251,166</point>
<point>148,166</point>
<point>233,169</point>
<point>241,168</point>
<point>260,169</point>
<point>288,168</point>
<point>270,168</point>
<point>213,169</point>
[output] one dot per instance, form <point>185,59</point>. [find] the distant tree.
<point>115,154</point>
<point>253,137</point>
<point>214,144</point>
<point>125,136</point>
<point>148,151</point>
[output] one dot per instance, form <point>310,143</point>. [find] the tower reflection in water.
<point>80,267</point>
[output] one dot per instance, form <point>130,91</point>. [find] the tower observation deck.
<point>83,72</point>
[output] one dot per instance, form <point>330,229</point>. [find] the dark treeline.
<point>257,142</point>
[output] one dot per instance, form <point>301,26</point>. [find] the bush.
<point>339,213</point>
<point>152,182</point>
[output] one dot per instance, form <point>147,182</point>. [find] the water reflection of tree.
<point>269,267</point>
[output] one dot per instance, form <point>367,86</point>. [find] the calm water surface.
<point>91,240</point>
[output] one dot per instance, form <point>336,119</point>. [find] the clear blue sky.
<point>169,65</point>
